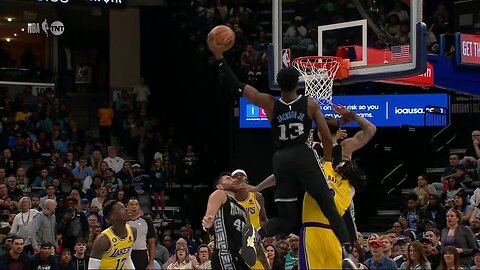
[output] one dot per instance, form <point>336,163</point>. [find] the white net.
<point>318,72</point>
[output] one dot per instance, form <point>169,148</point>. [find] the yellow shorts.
<point>319,247</point>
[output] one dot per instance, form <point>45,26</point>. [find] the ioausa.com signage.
<point>381,110</point>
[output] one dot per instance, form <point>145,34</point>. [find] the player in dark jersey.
<point>228,218</point>
<point>294,162</point>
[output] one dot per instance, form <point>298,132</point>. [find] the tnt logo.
<point>57,28</point>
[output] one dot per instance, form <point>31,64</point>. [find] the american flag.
<point>401,53</point>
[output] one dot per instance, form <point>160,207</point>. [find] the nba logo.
<point>262,113</point>
<point>252,111</point>
<point>285,58</point>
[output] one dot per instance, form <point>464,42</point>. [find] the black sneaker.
<point>249,252</point>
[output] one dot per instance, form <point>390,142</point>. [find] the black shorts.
<point>140,258</point>
<point>224,259</point>
<point>296,169</point>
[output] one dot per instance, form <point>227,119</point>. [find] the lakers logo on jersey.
<point>119,251</point>
<point>252,208</point>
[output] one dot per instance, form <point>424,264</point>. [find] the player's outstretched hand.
<point>342,110</point>
<point>248,187</point>
<point>207,222</point>
<point>346,114</point>
<point>216,49</point>
<point>341,134</point>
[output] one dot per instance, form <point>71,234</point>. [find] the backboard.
<point>383,39</point>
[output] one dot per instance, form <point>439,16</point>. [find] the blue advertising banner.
<point>381,110</point>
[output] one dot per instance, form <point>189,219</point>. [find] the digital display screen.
<point>381,110</point>
<point>468,49</point>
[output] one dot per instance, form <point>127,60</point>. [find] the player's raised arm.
<point>362,137</point>
<point>322,128</point>
<point>100,246</point>
<point>231,81</point>
<point>215,201</point>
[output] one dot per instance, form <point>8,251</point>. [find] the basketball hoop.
<point>318,72</point>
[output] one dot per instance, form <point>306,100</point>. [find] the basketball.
<point>224,35</point>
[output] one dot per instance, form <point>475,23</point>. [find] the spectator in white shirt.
<point>114,162</point>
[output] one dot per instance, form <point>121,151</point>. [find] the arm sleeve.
<point>229,79</point>
<point>150,229</point>
<point>347,218</point>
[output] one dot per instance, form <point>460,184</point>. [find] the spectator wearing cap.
<point>44,259</point>
<point>79,258</point>
<point>85,206</point>
<point>434,211</point>
<point>295,33</point>
<point>476,259</point>
<point>402,242</point>
<point>46,224</point>
<point>378,259</point>
<point>291,258</point>
<point>433,255</point>
<point>416,258</point>
<point>73,224</point>
<point>16,258</point>
<point>459,236</point>
<point>114,162</point>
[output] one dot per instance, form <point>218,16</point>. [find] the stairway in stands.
<point>183,205</point>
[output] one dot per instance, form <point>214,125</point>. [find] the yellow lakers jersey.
<point>342,197</point>
<point>119,251</point>
<point>252,207</point>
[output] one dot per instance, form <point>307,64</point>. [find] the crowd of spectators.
<point>56,177</point>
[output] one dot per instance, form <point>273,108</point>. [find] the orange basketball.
<point>224,36</point>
